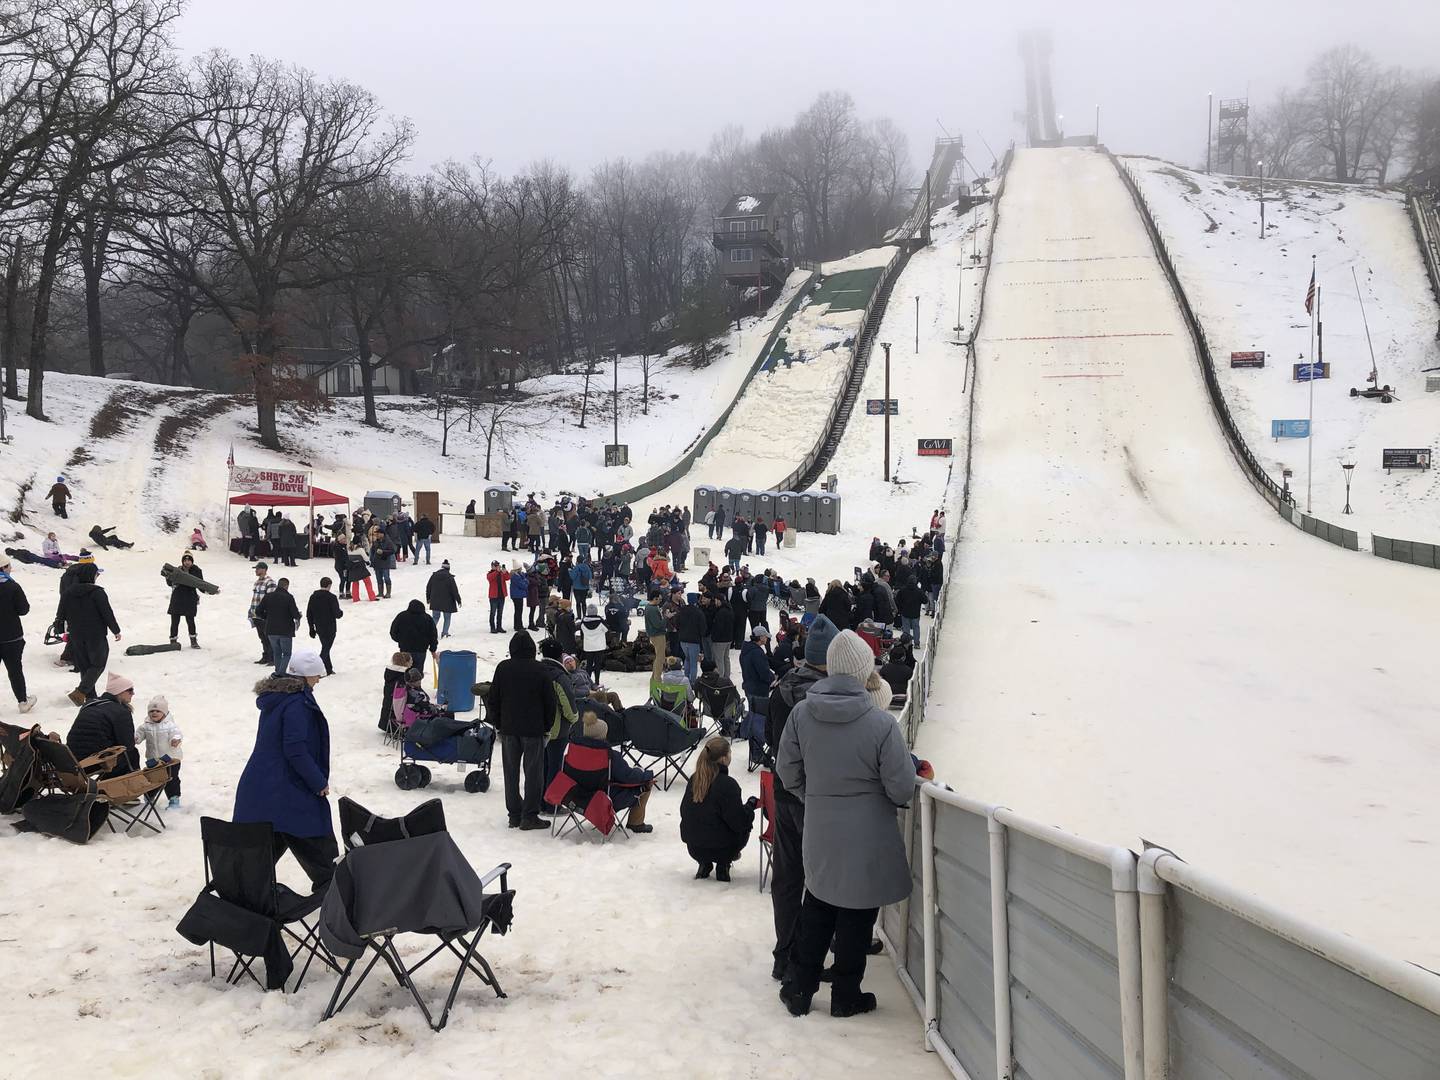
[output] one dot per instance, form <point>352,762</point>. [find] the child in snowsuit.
<point>161,736</point>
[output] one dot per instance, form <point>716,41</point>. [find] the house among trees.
<point>336,373</point>
<point>749,234</point>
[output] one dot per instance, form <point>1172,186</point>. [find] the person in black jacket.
<point>322,612</point>
<point>836,606</point>
<point>910,599</point>
<point>13,604</point>
<point>280,616</point>
<point>690,629</point>
<point>442,595</point>
<point>185,602</point>
<point>85,612</point>
<point>413,632</point>
<point>714,823</point>
<point>787,881</point>
<point>107,721</point>
<point>521,705</point>
<point>722,634</point>
<point>289,541</point>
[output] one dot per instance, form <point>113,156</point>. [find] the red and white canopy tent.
<point>274,487</point>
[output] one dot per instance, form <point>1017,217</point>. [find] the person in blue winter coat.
<point>287,779</point>
<point>580,575</point>
<point>756,676</point>
<point>519,590</point>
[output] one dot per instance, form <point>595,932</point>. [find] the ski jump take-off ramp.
<point>1141,646</point>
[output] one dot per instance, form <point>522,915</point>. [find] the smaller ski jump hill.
<point>1249,295</point>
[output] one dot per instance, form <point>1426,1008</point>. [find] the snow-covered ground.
<point>1136,645</point>
<point>618,946</point>
<point>1249,294</point>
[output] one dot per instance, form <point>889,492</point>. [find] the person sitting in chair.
<point>410,702</point>
<point>629,786</point>
<point>672,692</point>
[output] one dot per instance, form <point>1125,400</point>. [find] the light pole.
<point>1097,124</point>
<point>917,326</point>
<point>1209,120</point>
<point>1261,166</point>
<point>886,406</point>
<point>1349,467</point>
<point>615,398</point>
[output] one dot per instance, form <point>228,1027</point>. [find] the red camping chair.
<point>767,835</point>
<point>581,791</point>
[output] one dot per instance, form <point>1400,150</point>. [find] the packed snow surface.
<point>1249,295</point>
<point>1136,645</point>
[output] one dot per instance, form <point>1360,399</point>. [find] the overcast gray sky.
<point>582,81</point>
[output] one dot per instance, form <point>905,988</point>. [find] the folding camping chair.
<point>654,732</point>
<point>673,699</point>
<point>767,835</point>
<point>18,767</point>
<point>243,908</point>
<point>443,897</point>
<point>133,796</point>
<point>581,791</point>
<point>723,705</point>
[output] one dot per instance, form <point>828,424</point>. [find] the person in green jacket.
<point>655,631</point>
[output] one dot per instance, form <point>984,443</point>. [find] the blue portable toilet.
<point>457,680</point>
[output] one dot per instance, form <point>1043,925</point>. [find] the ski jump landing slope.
<point>1137,646</point>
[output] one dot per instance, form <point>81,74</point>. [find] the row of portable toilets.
<point>803,511</point>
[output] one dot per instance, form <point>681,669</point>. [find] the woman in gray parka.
<point>846,758</point>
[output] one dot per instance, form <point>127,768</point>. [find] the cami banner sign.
<point>269,481</point>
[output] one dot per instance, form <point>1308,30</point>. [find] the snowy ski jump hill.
<point>1137,645</point>
<point>1249,294</point>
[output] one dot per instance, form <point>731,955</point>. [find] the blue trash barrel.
<point>457,680</point>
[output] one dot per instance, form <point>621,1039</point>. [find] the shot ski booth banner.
<point>268,487</point>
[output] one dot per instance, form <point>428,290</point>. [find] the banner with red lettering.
<point>269,481</point>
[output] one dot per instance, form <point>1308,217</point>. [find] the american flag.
<point>1310,294</point>
<point>230,461</point>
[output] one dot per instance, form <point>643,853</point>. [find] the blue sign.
<point>1310,372</point>
<point>879,406</point>
<point>1289,429</point>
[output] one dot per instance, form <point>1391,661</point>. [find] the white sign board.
<point>269,481</point>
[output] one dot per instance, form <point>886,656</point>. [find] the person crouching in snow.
<point>714,823</point>
<point>161,737</point>
<point>197,539</point>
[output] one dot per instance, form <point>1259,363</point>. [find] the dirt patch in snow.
<point>177,427</point>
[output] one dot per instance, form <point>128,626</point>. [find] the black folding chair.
<point>652,732</point>
<point>455,907</point>
<point>243,909</point>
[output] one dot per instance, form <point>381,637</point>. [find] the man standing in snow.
<point>497,579</point>
<point>322,613</point>
<point>443,596</point>
<point>424,530</point>
<point>249,533</point>
<point>13,604</point>
<point>264,586</point>
<point>59,495</point>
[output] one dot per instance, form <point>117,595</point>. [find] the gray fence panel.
<point>1065,992</point>
<point>915,941</point>
<point>1422,554</point>
<point>1381,545</point>
<point>1247,1003</point>
<point>964,964</point>
<point>1402,550</point>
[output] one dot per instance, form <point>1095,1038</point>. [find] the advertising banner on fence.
<point>936,447</point>
<point>1289,429</point>
<point>269,481</point>
<point>877,406</point>
<point>1405,459</point>
<point>1247,359</point>
<point>1307,372</point>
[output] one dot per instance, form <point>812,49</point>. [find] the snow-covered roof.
<point>754,203</point>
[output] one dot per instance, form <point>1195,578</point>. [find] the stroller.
<point>446,740</point>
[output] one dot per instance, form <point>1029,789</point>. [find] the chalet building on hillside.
<point>749,234</point>
<point>336,372</point>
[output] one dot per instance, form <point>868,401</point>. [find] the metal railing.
<point>681,467</point>
<point>1425,217</point>
<point>813,454</point>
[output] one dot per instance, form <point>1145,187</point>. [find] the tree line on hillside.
<point>1353,121</point>
<point>198,222</point>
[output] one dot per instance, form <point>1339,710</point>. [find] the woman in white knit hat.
<point>845,757</point>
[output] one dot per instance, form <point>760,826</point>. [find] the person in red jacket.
<point>498,579</point>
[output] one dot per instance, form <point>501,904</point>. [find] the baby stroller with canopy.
<point>446,740</point>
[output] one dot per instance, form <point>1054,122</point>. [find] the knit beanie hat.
<point>158,702</point>
<point>594,727</point>
<point>116,685</point>
<point>849,655</point>
<point>879,691</point>
<point>817,643</point>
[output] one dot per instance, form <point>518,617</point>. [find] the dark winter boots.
<point>194,642</point>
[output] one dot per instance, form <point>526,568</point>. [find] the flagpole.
<point>1317,359</point>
